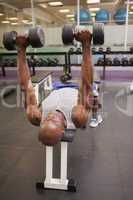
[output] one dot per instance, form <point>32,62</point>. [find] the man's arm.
<point>33,113</point>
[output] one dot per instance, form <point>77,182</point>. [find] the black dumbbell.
<point>13,62</point>
<point>131,49</point>
<point>116,61</point>
<point>100,50</point>
<point>100,62</point>
<point>71,50</point>
<point>108,61</point>
<point>93,49</point>
<point>131,61</point>
<point>78,51</point>
<point>35,38</point>
<point>66,77</point>
<point>124,61</point>
<point>108,50</point>
<point>56,61</point>
<point>68,34</point>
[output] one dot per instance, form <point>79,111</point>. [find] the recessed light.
<point>5,22</point>
<point>12,18</point>
<point>55,3</point>
<point>94,9</point>
<point>14,23</point>
<point>93,14</point>
<point>92,1</point>
<point>131,12</point>
<point>71,15</point>
<point>43,5</point>
<point>1,14</point>
<point>64,10</point>
<point>25,20</point>
<point>72,19</point>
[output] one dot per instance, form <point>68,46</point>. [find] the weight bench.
<point>62,183</point>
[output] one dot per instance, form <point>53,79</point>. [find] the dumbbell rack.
<point>62,183</point>
<point>51,53</point>
<point>104,54</point>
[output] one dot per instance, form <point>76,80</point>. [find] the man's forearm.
<point>23,69</point>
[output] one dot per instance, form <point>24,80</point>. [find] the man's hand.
<point>83,36</point>
<point>22,41</point>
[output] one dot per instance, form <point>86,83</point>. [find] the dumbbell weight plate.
<point>67,35</point>
<point>9,39</point>
<point>98,34</point>
<point>65,78</point>
<point>36,37</point>
<point>108,49</point>
<point>124,61</point>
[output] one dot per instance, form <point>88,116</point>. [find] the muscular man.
<point>61,107</point>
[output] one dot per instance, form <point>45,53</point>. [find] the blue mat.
<point>59,85</point>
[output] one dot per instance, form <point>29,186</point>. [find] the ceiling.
<point>48,14</point>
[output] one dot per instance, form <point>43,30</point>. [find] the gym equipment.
<point>131,61</point>
<point>120,16</point>
<point>100,62</point>
<point>116,61</point>
<point>84,15</point>
<point>98,34</point>
<point>93,50</point>
<point>100,50</point>
<point>102,16</point>
<point>124,61</point>
<point>71,50</point>
<point>35,38</point>
<point>108,61</point>
<point>66,77</point>
<point>79,51</point>
<point>131,49</point>
<point>108,50</point>
<point>52,62</point>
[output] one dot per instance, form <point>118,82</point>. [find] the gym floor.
<point>100,159</point>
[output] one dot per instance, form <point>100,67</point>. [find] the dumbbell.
<point>108,61</point>
<point>116,62</point>
<point>124,61</point>
<point>131,61</point>
<point>100,62</point>
<point>66,77</point>
<point>93,49</point>
<point>68,34</point>
<point>71,50</point>
<point>35,38</point>
<point>13,62</point>
<point>108,49</point>
<point>78,51</point>
<point>100,50</point>
<point>131,49</point>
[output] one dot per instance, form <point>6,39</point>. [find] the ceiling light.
<point>25,20</point>
<point>29,23</point>
<point>14,23</point>
<point>71,15</point>
<point>92,1</point>
<point>12,18</point>
<point>131,12</point>
<point>55,3</point>
<point>131,7</point>
<point>94,9</point>
<point>5,22</point>
<point>72,19</point>
<point>1,14</point>
<point>64,10</point>
<point>43,5</point>
<point>93,14</point>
